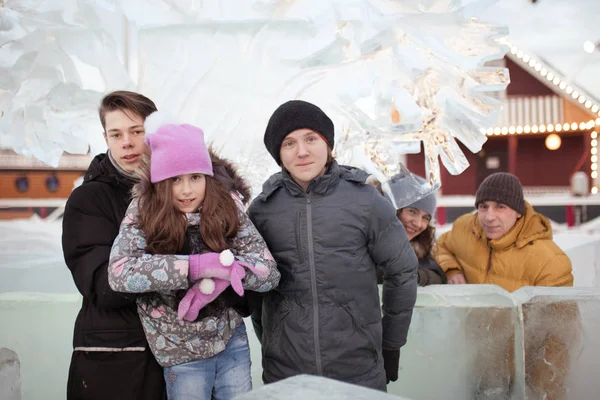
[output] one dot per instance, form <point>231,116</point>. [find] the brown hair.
<point>330,158</point>
<point>422,243</point>
<point>164,225</point>
<point>125,101</point>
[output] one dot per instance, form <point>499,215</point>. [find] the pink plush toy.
<point>211,274</point>
<point>199,295</point>
<point>222,266</point>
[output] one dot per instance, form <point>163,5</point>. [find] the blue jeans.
<point>221,377</point>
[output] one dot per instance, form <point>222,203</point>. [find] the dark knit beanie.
<point>503,188</point>
<point>292,115</point>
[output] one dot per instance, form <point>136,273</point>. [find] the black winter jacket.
<point>325,316</point>
<point>429,272</point>
<point>111,358</point>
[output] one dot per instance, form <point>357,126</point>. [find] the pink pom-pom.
<point>207,286</point>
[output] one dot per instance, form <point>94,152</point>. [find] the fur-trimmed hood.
<point>226,173</point>
<point>419,249</point>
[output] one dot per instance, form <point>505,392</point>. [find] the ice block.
<point>458,344</point>
<point>38,328</point>
<point>303,387</point>
<point>561,342</point>
<point>10,375</point>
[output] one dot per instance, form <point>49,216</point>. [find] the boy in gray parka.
<point>328,232</point>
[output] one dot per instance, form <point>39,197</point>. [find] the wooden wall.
<point>536,165</point>
<point>37,184</point>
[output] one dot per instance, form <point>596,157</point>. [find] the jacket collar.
<point>320,186</point>
<point>102,169</point>
<point>530,227</point>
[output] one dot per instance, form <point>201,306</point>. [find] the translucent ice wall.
<point>39,329</point>
<point>475,340</point>
<point>457,332</point>
<point>303,387</point>
<point>464,341</point>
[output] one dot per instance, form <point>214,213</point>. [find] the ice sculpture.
<point>304,387</point>
<point>10,375</point>
<point>463,340</point>
<point>391,74</point>
<point>387,82</point>
<point>558,349</point>
<point>56,59</point>
<point>451,352</point>
<point>479,341</point>
<point>39,329</point>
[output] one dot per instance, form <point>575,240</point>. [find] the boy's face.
<point>304,155</point>
<point>124,136</point>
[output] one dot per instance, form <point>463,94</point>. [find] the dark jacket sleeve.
<point>430,273</point>
<point>390,249</point>
<point>255,304</point>
<point>87,238</point>
<point>255,299</point>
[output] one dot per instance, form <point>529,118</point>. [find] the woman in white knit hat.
<point>416,218</point>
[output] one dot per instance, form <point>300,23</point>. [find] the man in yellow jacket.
<point>508,244</point>
<point>505,243</point>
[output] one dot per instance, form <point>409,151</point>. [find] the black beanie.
<point>503,188</point>
<point>292,115</point>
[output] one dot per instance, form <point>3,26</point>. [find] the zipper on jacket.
<point>489,264</point>
<point>313,281</point>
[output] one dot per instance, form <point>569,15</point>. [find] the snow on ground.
<point>32,261</point>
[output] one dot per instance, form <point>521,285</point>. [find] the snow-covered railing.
<point>550,200</point>
<point>568,201</point>
<point>57,204</point>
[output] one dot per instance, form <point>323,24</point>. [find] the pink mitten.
<point>200,294</point>
<point>222,266</point>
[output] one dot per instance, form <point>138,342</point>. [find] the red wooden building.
<point>548,131</point>
<point>28,186</point>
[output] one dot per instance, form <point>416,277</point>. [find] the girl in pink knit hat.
<point>188,249</point>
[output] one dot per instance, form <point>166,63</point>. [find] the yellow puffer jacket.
<point>525,256</point>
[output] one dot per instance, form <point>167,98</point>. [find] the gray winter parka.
<point>325,317</point>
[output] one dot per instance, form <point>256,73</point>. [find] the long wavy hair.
<point>424,242</point>
<point>165,226</point>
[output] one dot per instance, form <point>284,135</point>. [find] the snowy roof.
<point>555,32</point>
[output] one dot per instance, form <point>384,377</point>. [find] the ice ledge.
<point>303,387</point>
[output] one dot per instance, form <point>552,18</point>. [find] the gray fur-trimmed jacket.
<point>325,317</point>
<point>160,280</point>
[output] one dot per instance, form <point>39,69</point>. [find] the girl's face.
<point>188,191</point>
<point>414,220</point>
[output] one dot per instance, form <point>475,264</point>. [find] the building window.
<point>22,184</point>
<point>52,183</point>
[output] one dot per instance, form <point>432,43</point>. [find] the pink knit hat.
<point>177,149</point>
